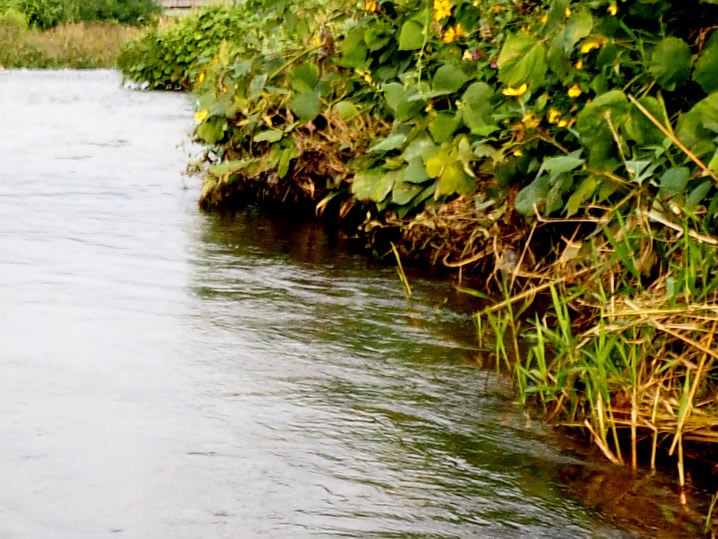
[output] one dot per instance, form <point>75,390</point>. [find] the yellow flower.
<point>544,19</point>
<point>574,91</point>
<point>201,115</point>
<point>553,116</point>
<point>567,11</point>
<point>370,6</point>
<point>467,57</point>
<point>562,123</point>
<point>449,35</point>
<point>515,92</point>
<point>597,43</point>
<point>366,77</point>
<point>579,65</point>
<point>316,41</point>
<point>612,9</point>
<point>429,107</point>
<point>452,34</point>
<point>200,78</point>
<point>517,152</point>
<point>442,9</point>
<point>530,120</point>
<point>496,8</point>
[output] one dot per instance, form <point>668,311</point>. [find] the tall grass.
<point>80,45</point>
<point>624,344</point>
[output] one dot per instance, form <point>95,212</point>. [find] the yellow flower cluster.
<point>574,91</point>
<point>453,33</point>
<point>366,77</point>
<point>371,6</point>
<point>442,9</point>
<point>515,92</point>
<point>554,117</point>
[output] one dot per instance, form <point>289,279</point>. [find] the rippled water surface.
<point>169,374</point>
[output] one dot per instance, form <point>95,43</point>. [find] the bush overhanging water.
<point>568,150</point>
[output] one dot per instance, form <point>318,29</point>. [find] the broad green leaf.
<point>476,109</point>
<point>304,77</point>
<point>408,109</point>
<point>448,78</point>
<point>454,180</point>
<point>674,181</point>
<point>436,163</point>
<point>706,71</point>
<point>557,59</point>
<point>559,185</point>
<point>561,164</point>
<point>395,94</point>
<point>698,195</point>
<point>392,142</point>
<point>415,171</point>
<point>579,26</point>
<point>212,130</point>
<point>306,105</point>
<point>411,37</point>
<point>443,125</point>
<point>354,50</point>
<point>346,109</point>
<point>640,128</point>
<point>583,192</point>
<point>522,60</point>
<point>670,63</point>
<point>416,147</point>
<point>268,135</point>
<point>713,163</point>
<point>403,192</point>
<point>376,37</point>
<point>256,86</point>
<point>698,128</point>
<point>533,194</point>
<point>374,184</point>
<point>594,128</point>
<point>230,167</point>
<point>285,160</point>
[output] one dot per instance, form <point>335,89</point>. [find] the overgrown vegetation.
<point>69,45</point>
<point>44,14</point>
<point>77,34</point>
<point>565,149</point>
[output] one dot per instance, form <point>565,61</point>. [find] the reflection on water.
<point>168,374</point>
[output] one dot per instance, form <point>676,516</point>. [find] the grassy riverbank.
<point>69,33</point>
<point>564,150</point>
<point>77,45</point>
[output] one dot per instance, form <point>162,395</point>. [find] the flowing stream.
<point>169,374</point>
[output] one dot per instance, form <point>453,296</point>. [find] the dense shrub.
<point>122,11</point>
<point>46,14</point>
<point>166,57</point>
<point>568,146</point>
<point>14,20</point>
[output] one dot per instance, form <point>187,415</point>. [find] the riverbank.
<point>76,45</point>
<point>551,149</point>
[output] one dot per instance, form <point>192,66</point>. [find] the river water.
<point>165,373</point>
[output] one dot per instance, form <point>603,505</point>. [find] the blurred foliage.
<point>45,14</point>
